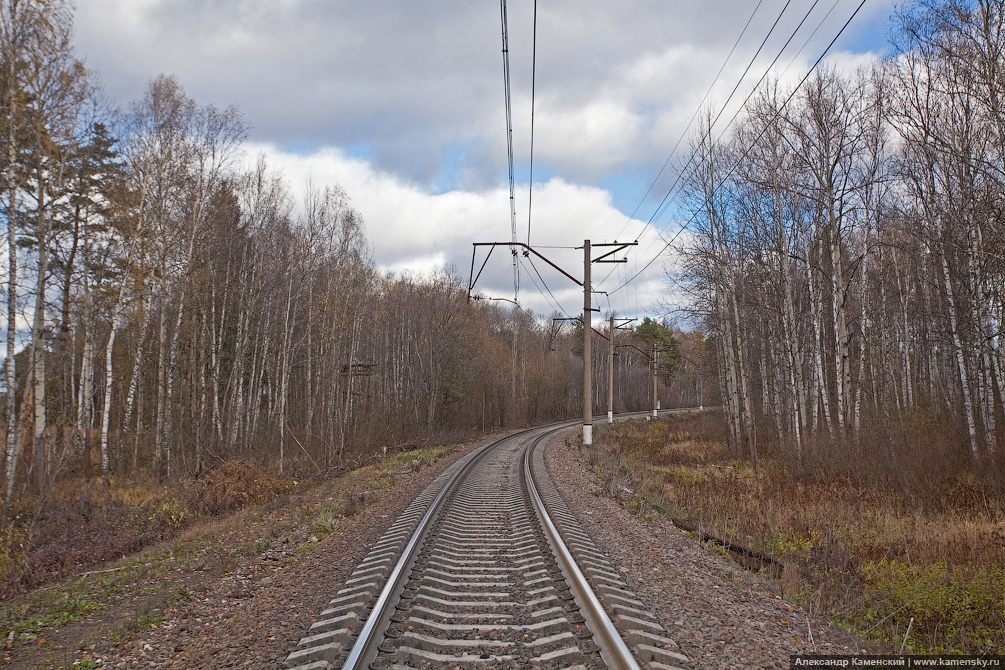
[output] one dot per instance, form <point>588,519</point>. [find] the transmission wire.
<point>749,147</point>
<point>693,116</point>
<point>533,90</point>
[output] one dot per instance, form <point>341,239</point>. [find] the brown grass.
<point>201,540</point>
<point>84,524</point>
<point>854,544</point>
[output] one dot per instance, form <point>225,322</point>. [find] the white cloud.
<point>616,82</point>
<point>411,229</point>
<point>416,90</point>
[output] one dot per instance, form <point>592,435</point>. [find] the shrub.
<point>13,550</point>
<point>956,605</point>
<point>235,485</point>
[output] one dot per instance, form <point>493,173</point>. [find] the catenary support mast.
<point>587,349</point>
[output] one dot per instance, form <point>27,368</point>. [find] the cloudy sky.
<point>401,103</point>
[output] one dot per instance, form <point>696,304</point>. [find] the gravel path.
<point>721,615</point>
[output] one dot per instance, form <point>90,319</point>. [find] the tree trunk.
<point>38,342</point>
<point>968,407</point>
<point>134,380</point>
<point>85,397</point>
<point>106,411</point>
<point>285,374</point>
<point>12,443</point>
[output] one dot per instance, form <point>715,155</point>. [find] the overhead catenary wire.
<point>509,147</point>
<point>533,91</point>
<point>499,283</point>
<point>683,134</point>
<point>552,302</point>
<point>545,292</point>
<point>749,147</point>
<point>545,284</point>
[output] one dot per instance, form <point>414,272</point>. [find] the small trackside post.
<point>587,350</point>
<point>610,374</point>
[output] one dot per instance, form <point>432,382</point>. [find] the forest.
<point>170,307</point>
<point>846,256</point>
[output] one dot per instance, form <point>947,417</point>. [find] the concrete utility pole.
<point>587,349</point>
<point>587,307</point>
<point>656,405</point>
<point>610,374</point>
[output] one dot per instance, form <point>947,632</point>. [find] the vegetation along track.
<point>487,568</point>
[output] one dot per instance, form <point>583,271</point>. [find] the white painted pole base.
<point>587,434</point>
<point>655,413</point>
<point>610,417</point>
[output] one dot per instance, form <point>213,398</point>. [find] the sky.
<point>401,103</point>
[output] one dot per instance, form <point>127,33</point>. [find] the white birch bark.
<point>968,407</point>
<point>134,378</point>
<point>106,409</point>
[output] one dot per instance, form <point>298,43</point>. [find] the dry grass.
<point>207,528</point>
<point>858,548</point>
<point>84,524</point>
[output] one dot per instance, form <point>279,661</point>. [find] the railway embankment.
<point>229,590</point>
<point>873,554</point>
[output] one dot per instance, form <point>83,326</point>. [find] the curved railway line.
<point>487,568</point>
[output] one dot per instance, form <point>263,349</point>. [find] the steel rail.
<point>613,649</point>
<point>359,655</point>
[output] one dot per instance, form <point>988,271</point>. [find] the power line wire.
<point>664,203</point>
<point>769,68</point>
<point>739,81</point>
<point>533,91</point>
<point>509,146</point>
<point>812,35</point>
<point>749,147</point>
<point>693,116</point>
<point>662,209</point>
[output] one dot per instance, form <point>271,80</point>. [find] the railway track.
<point>487,568</point>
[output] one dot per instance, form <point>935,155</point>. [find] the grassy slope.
<point>112,601</point>
<point>866,555</point>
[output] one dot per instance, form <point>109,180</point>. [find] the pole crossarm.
<point>620,246</point>
<point>473,278</point>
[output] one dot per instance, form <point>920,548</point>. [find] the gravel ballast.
<point>721,615</point>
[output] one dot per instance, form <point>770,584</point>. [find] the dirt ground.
<point>226,593</point>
